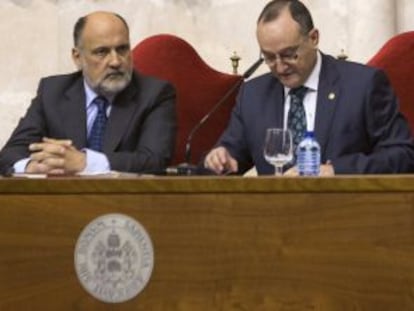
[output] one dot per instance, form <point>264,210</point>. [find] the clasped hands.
<point>55,157</point>
<point>221,162</point>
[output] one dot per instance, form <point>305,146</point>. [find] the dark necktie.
<point>297,116</point>
<point>95,139</point>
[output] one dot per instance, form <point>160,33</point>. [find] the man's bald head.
<point>81,23</point>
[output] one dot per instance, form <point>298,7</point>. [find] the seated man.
<point>350,107</point>
<point>103,117</point>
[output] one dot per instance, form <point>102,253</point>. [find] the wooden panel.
<point>344,243</point>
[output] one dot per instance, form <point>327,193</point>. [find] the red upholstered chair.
<point>396,58</point>
<point>199,88</point>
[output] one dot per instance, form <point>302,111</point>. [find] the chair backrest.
<point>396,58</point>
<point>198,86</point>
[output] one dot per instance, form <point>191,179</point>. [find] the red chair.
<point>396,58</point>
<point>199,88</point>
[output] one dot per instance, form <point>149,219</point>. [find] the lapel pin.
<point>331,96</point>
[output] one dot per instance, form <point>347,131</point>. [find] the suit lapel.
<point>73,113</point>
<point>274,107</point>
<point>122,112</point>
<point>280,105</point>
<point>328,96</point>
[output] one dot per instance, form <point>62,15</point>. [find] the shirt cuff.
<point>20,166</point>
<point>96,162</point>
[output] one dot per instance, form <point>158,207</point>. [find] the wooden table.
<point>342,243</point>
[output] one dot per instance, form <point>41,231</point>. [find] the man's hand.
<point>327,169</point>
<point>220,161</point>
<point>324,170</point>
<point>53,156</point>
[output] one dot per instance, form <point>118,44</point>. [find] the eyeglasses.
<point>287,56</point>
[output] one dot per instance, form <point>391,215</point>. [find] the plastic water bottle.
<point>308,155</point>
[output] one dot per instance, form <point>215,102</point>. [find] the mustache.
<point>114,74</point>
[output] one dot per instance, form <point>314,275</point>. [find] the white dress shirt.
<point>309,101</point>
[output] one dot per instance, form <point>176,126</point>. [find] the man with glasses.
<point>350,107</point>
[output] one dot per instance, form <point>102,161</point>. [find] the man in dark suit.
<point>138,113</point>
<point>350,107</point>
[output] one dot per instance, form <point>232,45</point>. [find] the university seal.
<point>114,258</point>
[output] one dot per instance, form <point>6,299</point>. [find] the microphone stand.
<point>189,169</point>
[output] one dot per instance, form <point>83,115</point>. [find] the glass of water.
<point>278,148</point>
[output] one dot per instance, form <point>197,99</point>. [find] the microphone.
<point>188,169</point>
<point>252,68</point>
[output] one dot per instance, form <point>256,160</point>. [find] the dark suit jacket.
<point>140,134</point>
<point>359,128</point>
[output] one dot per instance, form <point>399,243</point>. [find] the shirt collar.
<point>313,80</point>
<point>90,94</point>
